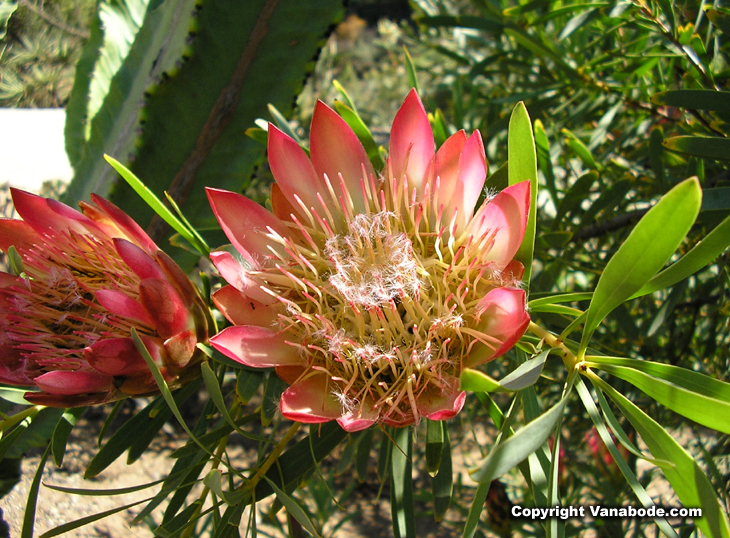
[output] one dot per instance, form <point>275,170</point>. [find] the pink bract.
<point>87,278</point>
<point>371,290</point>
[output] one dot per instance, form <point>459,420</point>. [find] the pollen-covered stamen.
<point>382,307</point>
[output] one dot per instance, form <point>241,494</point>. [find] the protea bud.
<point>370,291</point>
<point>86,279</point>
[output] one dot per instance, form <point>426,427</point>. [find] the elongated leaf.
<point>7,8</point>
<point>694,100</point>
<point>247,384</point>
<point>522,166</point>
<point>689,481</point>
<point>650,244</point>
<point>696,396</point>
<point>294,509</point>
<point>62,431</point>
<point>356,123</point>
<point>701,254</point>
<point>580,149</point>
<point>32,503</point>
<point>434,445</point>
<point>401,483</point>
<point>362,458</point>
<point>523,376</point>
<point>67,527</point>
<point>442,484</point>
<point>709,147</point>
<point>157,206</point>
<point>633,482</point>
<point>517,448</point>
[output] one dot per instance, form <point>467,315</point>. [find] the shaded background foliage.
<point>628,98</point>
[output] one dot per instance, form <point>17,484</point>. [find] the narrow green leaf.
<point>162,385</point>
<point>9,438</point>
<point>711,100</point>
<point>720,19</point>
<point>294,509</point>
<point>522,166</point>
<point>283,124</point>
<point>13,395</point>
<point>155,203</point>
<point>525,375</point>
<point>499,179</point>
<point>544,161</point>
<point>247,384</point>
<point>689,481</point>
<point>410,70</point>
<point>434,445</point>
<point>213,482</point>
<point>7,8</point>
<point>345,96</point>
<point>440,129</point>
<point>717,199</point>
<point>273,388</point>
<point>67,527</point>
<point>708,147</point>
<point>633,482</point>
<point>442,484</point>
<point>656,155</point>
<point>580,149</point>
<point>701,254</point>
<point>517,448</point>
<point>575,23</point>
<point>560,298</point>
<point>362,458</point>
<point>693,395</point>
<point>30,506</point>
<point>108,421</point>
<point>401,483</point>
<point>103,492</point>
<point>61,432</point>
<point>650,244</point>
<point>362,132</point>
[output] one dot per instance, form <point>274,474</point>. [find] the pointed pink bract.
<point>411,143</point>
<point>257,347</point>
<point>311,401</point>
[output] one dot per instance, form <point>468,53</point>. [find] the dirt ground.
<point>368,515</point>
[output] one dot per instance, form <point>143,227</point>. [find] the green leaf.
<point>633,482</point>
<point>362,132</point>
<point>247,384</point>
<point>71,525</point>
<point>711,100</point>
<point>716,199</point>
<point>442,484</point>
<point>580,149</point>
<point>158,207</point>
<point>696,396</point>
<point>522,165</point>
<point>61,432</point>
<point>434,445</point>
<point>720,19</point>
<point>362,458</point>
<point>688,480</point>
<point>517,448</point>
<point>297,461</point>
<point>294,509</point>
<point>410,70</point>
<point>273,388</point>
<point>7,8</point>
<point>708,147</point>
<point>544,161</point>
<point>652,241</point>
<point>401,483</point>
<point>525,375</point>
<point>32,503</point>
<point>701,254</point>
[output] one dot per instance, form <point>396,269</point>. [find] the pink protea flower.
<point>87,279</point>
<point>370,291</point>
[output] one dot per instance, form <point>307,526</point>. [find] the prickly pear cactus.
<point>196,76</point>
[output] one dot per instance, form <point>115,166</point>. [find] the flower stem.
<point>187,533</point>
<point>569,358</point>
<point>278,449</point>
